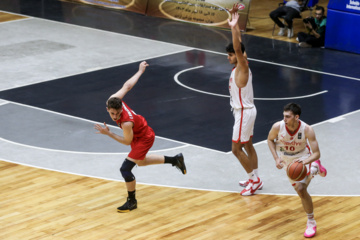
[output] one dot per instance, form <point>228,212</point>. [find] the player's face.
<point>318,14</point>
<point>232,58</point>
<point>290,119</point>
<point>114,113</point>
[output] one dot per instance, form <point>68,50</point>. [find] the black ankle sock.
<point>171,160</point>
<point>131,195</point>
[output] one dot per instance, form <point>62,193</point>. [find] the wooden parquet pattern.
<point>41,204</point>
<point>46,205</point>
<point>4,17</point>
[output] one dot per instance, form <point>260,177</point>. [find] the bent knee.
<point>300,189</point>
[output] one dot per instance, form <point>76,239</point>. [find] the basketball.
<point>296,171</point>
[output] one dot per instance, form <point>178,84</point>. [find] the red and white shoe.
<point>310,229</point>
<point>321,169</point>
<point>245,183</point>
<point>252,187</point>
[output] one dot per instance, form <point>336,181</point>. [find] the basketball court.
<point>59,66</point>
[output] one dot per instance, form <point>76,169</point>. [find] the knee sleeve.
<point>125,170</point>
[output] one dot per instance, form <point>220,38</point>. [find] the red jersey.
<point>140,127</point>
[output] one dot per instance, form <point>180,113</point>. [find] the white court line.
<point>114,127</point>
<point>88,153</point>
<point>95,69</point>
<point>176,78</point>
<point>161,185</point>
<point>3,103</point>
<point>288,66</point>
<point>189,48</point>
<point>102,68</point>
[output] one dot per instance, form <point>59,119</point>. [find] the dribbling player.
<point>290,140</point>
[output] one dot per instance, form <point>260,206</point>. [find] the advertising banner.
<point>138,6</point>
<point>205,12</point>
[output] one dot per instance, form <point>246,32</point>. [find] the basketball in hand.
<point>296,171</point>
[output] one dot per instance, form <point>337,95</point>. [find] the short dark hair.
<point>114,102</point>
<point>230,48</point>
<point>294,108</point>
<point>320,8</point>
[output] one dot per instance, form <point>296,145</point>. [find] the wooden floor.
<point>4,17</point>
<point>41,204</point>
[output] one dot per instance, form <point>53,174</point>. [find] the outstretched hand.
<point>234,20</point>
<point>143,66</point>
<point>102,130</point>
<point>234,9</point>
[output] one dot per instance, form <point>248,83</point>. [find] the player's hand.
<point>143,66</point>
<point>234,20</point>
<point>234,9</point>
<point>279,163</point>
<point>301,161</point>
<point>102,130</point>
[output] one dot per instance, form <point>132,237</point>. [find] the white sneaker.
<point>248,190</point>
<point>245,183</point>
<point>252,187</point>
<point>290,32</point>
<point>317,168</point>
<point>282,31</point>
<point>310,229</point>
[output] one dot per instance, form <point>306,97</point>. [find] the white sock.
<point>314,170</point>
<point>256,173</point>
<point>310,216</point>
<point>252,176</point>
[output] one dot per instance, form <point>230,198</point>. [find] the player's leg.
<point>306,200</point>
<point>252,155</point>
<point>237,149</point>
<point>176,161</point>
<point>126,172</point>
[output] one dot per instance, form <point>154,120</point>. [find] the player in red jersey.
<point>138,134</point>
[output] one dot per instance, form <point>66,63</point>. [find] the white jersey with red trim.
<point>291,144</point>
<point>241,97</point>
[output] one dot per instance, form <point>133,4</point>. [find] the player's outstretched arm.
<point>130,83</point>
<point>242,68</point>
<point>127,131</point>
<point>272,146</point>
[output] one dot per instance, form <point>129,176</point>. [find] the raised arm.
<point>130,83</point>
<point>242,68</point>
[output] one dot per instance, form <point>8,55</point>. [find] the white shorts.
<point>244,124</point>
<point>290,158</point>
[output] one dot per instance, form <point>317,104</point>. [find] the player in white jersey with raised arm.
<point>242,105</point>
<point>292,140</point>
